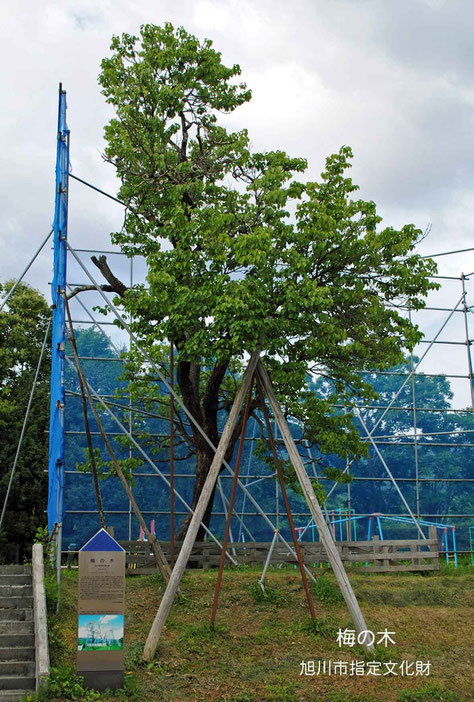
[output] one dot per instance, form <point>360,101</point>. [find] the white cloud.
<point>392,79</point>
<point>108,618</point>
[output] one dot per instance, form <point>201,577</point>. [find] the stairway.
<point>17,648</point>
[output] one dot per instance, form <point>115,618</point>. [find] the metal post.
<point>468,341</point>
<point>369,535</point>
<point>224,507</point>
<point>249,463</point>
<point>349,521</point>
<point>130,415</point>
<point>415,430</point>
<point>171,454</point>
<point>455,553</point>
<point>56,424</point>
<point>18,281</point>
<point>395,484</point>
<point>267,561</point>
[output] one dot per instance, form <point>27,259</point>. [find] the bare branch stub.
<point>114,284</point>
<point>113,281</point>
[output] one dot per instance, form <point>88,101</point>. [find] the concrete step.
<point>15,683</point>
<point>14,668</point>
<point>18,615</point>
<point>15,640</point>
<point>20,653</point>
<point>16,602</point>
<point>16,579</point>
<point>14,695</point>
<point>15,569</point>
<point>16,591</point>
<point>16,627</point>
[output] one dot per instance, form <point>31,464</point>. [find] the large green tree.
<point>22,329</point>
<point>240,248</point>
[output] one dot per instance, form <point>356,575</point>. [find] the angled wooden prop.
<point>187,546</point>
<point>313,504</point>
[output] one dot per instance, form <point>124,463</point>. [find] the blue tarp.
<point>56,422</point>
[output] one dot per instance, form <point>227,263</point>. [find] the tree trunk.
<point>204,458</point>
<point>205,410</point>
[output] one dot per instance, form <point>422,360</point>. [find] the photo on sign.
<point>100,632</point>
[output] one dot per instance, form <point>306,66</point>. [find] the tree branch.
<point>115,283</point>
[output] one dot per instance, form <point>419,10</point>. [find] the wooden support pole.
<point>193,528</point>
<point>284,493</point>
<point>313,504</point>
<point>231,506</point>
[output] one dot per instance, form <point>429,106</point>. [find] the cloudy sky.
<point>393,79</point>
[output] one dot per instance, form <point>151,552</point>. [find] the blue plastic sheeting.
<point>102,541</point>
<point>56,421</point>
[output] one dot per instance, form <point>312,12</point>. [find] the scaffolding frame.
<point>417,440</point>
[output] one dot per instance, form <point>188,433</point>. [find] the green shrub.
<point>64,684</point>
<point>195,635</point>
<point>133,655</point>
<point>51,590</point>
<point>55,638</point>
<point>269,596</point>
<point>326,591</point>
<point>325,628</point>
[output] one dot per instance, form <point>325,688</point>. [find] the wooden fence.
<point>378,556</point>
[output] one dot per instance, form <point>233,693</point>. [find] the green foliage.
<point>106,469</point>
<point>429,693</point>
<point>23,325</point>
<point>326,591</point>
<point>133,655</point>
<point>42,536</point>
<point>203,632</point>
<point>64,684</point>
<point>51,590</point>
<point>464,567</point>
<point>195,636</point>
<point>325,627</point>
<point>270,595</point>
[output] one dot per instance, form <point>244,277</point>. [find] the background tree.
<point>238,249</point>
<point>22,330</point>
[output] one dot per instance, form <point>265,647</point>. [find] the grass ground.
<point>255,652</point>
